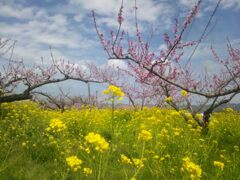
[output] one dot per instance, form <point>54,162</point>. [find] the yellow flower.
<point>177,131</point>
<point>145,135</point>
<point>125,160</point>
<point>74,163</point>
<point>114,91</point>
<point>87,150</point>
<point>199,116</point>
<point>236,148</point>
<point>96,139</point>
<point>218,164</point>
<point>87,171</point>
<point>120,98</point>
<point>106,91</point>
<point>162,158</point>
<point>56,125</point>
<point>229,110</point>
<point>184,93</point>
<point>175,114</point>
<point>138,163</point>
<point>169,99</point>
<point>167,156</point>
<point>156,157</point>
<point>193,169</point>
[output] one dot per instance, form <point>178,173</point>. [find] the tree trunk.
<point>15,97</point>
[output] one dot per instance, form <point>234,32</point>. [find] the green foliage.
<point>148,144</point>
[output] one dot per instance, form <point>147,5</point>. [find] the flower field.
<point>152,143</point>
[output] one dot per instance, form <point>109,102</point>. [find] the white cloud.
<point>53,29</point>
<point>16,12</point>
<point>188,3</point>
<point>46,32</point>
<point>31,53</point>
<point>104,7</point>
<point>117,64</point>
<point>235,4</point>
<point>39,31</point>
<point>163,47</point>
<point>57,39</point>
<point>211,66</point>
<point>225,4</point>
<point>148,11</point>
<point>78,17</point>
<point>209,5</point>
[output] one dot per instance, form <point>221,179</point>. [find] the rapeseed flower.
<point>100,143</point>
<point>193,169</point>
<point>74,163</point>
<point>199,116</point>
<point>169,99</point>
<point>125,160</point>
<point>145,135</point>
<point>236,148</point>
<point>177,131</point>
<point>87,171</point>
<point>56,125</point>
<point>114,91</point>
<point>156,157</point>
<point>218,164</point>
<point>184,93</point>
<point>24,144</point>
<point>229,110</point>
<point>138,163</point>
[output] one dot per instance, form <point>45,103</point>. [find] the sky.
<point>67,26</point>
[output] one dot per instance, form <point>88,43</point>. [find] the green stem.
<point>112,118</point>
<point>99,168</point>
<point>8,152</point>
<point>143,149</point>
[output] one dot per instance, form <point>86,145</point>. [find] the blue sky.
<point>67,26</point>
